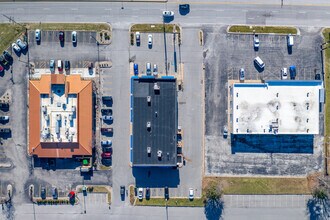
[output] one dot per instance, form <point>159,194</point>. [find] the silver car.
<point>16,47</point>
<point>74,37</point>
<point>38,35</point>
<point>241,74</point>
<point>21,44</point>
<point>168,13</point>
<point>52,65</point>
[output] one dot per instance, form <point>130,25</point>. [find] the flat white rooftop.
<point>276,107</point>
<point>58,116</point>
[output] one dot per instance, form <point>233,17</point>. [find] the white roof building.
<point>276,107</point>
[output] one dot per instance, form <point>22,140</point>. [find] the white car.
<point>140,193</point>
<point>256,41</point>
<point>241,74</point>
<point>38,33</point>
<point>155,71</point>
<point>191,193</point>
<point>284,73</point>
<point>21,44</point>
<point>150,40</point>
<point>16,47</point>
<point>106,143</point>
<point>168,13</point>
<point>74,37</point>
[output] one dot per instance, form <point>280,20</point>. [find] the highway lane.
<point>201,13</point>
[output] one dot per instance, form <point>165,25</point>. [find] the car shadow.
<point>258,67</point>
<point>168,19</point>
<point>256,49</point>
<point>74,44</point>
<point>62,43</point>
<point>17,53</point>
<point>184,12</point>
<point>289,49</point>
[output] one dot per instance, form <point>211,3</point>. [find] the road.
<point>295,12</point>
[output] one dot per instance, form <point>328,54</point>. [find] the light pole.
<point>98,49</point>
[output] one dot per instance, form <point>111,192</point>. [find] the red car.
<point>106,155</point>
<point>1,69</point>
<point>61,35</point>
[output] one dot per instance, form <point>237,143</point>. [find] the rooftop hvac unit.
<point>148,99</point>
<point>148,124</point>
<point>73,108</point>
<point>59,104</point>
<point>47,131</point>
<point>159,153</point>
<point>57,128</point>
<point>70,117</point>
<point>156,86</point>
<point>149,151</point>
<point>70,138</point>
<point>58,117</point>
<point>47,117</point>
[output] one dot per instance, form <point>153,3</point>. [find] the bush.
<point>213,192</point>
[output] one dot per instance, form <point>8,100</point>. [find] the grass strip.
<point>154,28</point>
<point>260,185</point>
<point>175,202</point>
<point>262,29</point>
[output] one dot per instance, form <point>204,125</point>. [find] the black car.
<point>184,7</point>
<point>61,36</point>
<point>166,194</point>
<point>4,106</point>
<point>7,55</point>
<point>3,60</point>
<point>67,65</point>
<point>106,111</point>
<point>317,76</point>
<point>106,130</point>
<point>55,193</point>
<point>147,193</point>
<point>122,190</point>
<point>43,193</point>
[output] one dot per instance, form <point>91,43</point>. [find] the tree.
<point>213,203</point>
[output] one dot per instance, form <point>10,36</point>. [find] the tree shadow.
<point>213,209</point>
<point>318,209</point>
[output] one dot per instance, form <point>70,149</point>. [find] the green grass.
<point>8,34</point>
<point>327,91</point>
<point>250,185</point>
<point>154,28</point>
<point>70,26</point>
<point>263,29</point>
<point>197,202</point>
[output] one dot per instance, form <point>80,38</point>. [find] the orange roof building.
<point>60,116</point>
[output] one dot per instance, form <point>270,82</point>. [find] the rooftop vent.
<point>159,154</point>
<point>148,125</point>
<point>156,86</point>
<point>148,99</point>
<point>149,151</point>
<point>73,108</point>
<point>44,109</point>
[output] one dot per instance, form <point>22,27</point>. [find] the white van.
<point>290,40</point>
<point>59,65</point>
<point>259,62</point>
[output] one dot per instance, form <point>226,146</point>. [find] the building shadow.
<point>156,177</point>
<point>245,143</point>
<point>56,163</point>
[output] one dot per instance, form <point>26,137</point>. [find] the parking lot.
<point>225,54</point>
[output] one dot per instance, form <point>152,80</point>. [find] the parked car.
<point>106,111</point>
<point>3,61</point>
<point>1,69</point>
<point>259,62</point>
<point>4,106</point>
<point>61,36</point>
<point>107,117</point>
<point>122,190</point>
<point>38,35</point>
<point>5,130</point>
<point>4,118</point>
<point>107,149</point>
<point>290,40</point>
<point>148,68</point>
<point>168,13</point>
<point>43,193</point>
<point>74,37</point>
<point>67,65</point>
<point>241,74</point>
<point>149,40</point>
<point>284,73</point>
<point>54,192</point>
<point>293,72</point>
<point>140,193</point>
<point>225,131</point>
<point>317,76</point>
<point>256,41</point>
<point>16,47</point>
<point>106,130</point>
<point>106,155</point>
<point>7,55</point>
<point>106,143</point>
<point>155,71</point>
<point>21,44</point>
<point>191,193</point>
<point>166,193</point>
<point>137,38</point>
<point>136,69</point>
<point>147,192</point>
<point>60,65</point>
<point>52,65</point>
